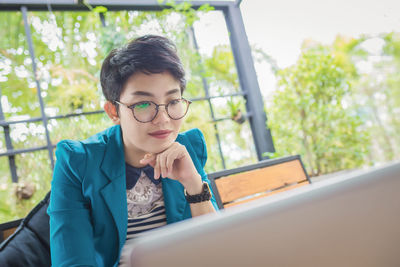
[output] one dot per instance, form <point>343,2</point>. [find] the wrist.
<point>194,186</point>
<point>205,195</point>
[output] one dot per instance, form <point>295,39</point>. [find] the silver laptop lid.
<point>349,220</point>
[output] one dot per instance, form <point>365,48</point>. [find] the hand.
<point>175,163</point>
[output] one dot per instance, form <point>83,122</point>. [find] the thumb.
<point>149,159</point>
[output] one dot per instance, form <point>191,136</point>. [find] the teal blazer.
<point>88,205</point>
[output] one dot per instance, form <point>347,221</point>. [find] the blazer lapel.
<point>114,193</point>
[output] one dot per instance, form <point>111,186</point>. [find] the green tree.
<point>311,115</point>
<point>376,91</point>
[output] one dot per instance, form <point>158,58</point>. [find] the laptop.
<point>349,220</point>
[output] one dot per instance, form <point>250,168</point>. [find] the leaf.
<point>100,9</point>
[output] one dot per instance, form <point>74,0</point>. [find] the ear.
<point>111,111</point>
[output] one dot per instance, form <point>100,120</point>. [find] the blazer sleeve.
<point>71,231</point>
<point>198,144</point>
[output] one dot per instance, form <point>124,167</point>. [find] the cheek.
<point>132,129</point>
<point>137,138</point>
<point>177,124</point>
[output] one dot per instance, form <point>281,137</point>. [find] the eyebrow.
<point>142,93</point>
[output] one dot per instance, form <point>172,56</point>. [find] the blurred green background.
<point>325,107</point>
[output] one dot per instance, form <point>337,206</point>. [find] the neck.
<point>133,155</point>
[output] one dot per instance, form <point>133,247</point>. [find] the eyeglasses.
<point>146,111</point>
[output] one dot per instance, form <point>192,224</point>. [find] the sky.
<point>280,27</point>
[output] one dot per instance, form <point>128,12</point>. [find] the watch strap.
<point>205,195</point>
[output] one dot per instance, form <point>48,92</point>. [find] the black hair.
<point>149,54</point>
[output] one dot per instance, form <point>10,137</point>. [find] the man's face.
<point>141,137</point>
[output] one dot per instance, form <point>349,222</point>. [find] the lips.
<point>160,134</point>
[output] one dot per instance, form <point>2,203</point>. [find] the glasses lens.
<point>144,111</point>
<point>177,108</point>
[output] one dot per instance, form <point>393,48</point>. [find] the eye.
<point>142,105</point>
<point>174,102</point>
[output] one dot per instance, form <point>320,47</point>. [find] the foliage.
<point>234,106</point>
<point>325,108</point>
<point>221,70</point>
<point>222,77</point>
<point>379,96</point>
<point>69,48</point>
<point>309,115</point>
<point>339,105</point>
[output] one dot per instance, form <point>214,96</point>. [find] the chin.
<point>160,147</point>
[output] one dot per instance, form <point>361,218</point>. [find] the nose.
<point>161,116</point>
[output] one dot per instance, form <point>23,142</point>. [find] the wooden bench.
<point>8,228</point>
<point>264,178</point>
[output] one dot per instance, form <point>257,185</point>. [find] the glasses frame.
<point>132,107</point>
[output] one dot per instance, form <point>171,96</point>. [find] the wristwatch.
<point>205,195</point>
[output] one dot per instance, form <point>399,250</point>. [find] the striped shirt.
<point>146,208</point>
<point>145,222</point>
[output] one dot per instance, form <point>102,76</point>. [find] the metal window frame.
<point>240,48</point>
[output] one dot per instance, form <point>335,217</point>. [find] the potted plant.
<point>235,112</point>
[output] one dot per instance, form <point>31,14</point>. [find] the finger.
<point>182,152</point>
<point>171,159</point>
<point>149,157</point>
<point>162,158</point>
<point>169,163</point>
<point>152,163</point>
<point>157,168</point>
